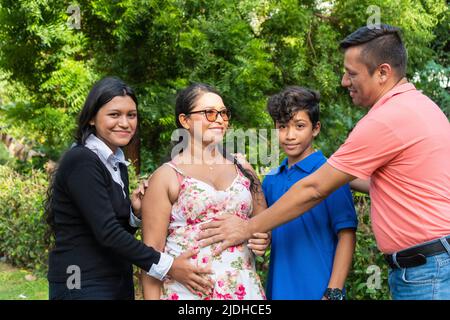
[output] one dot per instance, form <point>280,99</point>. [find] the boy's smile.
<point>297,135</point>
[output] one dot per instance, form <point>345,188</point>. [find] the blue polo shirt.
<point>302,251</point>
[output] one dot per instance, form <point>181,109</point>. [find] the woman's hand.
<point>136,197</point>
<point>194,278</point>
<point>259,243</point>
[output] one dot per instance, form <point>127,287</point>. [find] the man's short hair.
<point>283,105</point>
<point>382,44</point>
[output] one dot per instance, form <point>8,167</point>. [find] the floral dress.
<point>234,269</point>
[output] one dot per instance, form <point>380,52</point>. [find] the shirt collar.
<point>394,91</point>
<point>308,164</point>
<point>104,152</point>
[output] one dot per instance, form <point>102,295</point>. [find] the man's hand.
<point>136,197</point>
<point>194,278</point>
<point>228,229</point>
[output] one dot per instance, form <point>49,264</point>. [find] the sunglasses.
<point>212,114</point>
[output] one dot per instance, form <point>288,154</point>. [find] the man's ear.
<point>316,129</point>
<point>184,121</point>
<point>385,72</point>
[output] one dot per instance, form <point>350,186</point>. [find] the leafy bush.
<point>22,227</point>
<point>368,262</point>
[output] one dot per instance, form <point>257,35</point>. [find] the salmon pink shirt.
<point>403,146</point>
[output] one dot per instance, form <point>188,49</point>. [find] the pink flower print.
<point>227,297</point>
<point>190,221</point>
<point>220,283</point>
<point>231,249</point>
<point>244,206</point>
<point>246,183</point>
<point>173,296</point>
<point>223,296</point>
<point>195,255</point>
<point>240,292</point>
<point>205,260</point>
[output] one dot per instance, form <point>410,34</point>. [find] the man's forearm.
<point>291,205</point>
<point>301,197</point>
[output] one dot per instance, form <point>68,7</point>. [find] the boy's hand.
<point>259,243</point>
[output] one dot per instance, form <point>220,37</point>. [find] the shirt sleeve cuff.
<point>159,270</point>
<point>345,225</point>
<point>134,221</point>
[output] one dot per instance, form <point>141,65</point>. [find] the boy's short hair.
<point>283,105</point>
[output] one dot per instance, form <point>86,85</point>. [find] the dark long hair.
<point>101,93</point>
<point>185,103</point>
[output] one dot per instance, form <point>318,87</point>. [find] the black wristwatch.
<point>334,294</point>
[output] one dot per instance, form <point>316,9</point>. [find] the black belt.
<point>416,256</point>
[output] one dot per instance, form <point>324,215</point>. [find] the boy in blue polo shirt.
<point>310,256</point>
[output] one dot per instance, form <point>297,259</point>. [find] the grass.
<point>14,285</point>
<point>4,154</point>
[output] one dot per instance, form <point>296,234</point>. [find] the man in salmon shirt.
<point>402,147</point>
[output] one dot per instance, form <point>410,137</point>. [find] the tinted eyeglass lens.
<point>212,115</point>
<point>225,114</point>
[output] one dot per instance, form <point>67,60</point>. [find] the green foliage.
<point>4,155</point>
<point>44,64</point>
<point>367,260</point>
<point>22,227</point>
<point>434,80</point>
<point>248,49</point>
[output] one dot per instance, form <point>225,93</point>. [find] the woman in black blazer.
<point>91,214</point>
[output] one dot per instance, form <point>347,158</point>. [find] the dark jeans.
<point>111,288</point>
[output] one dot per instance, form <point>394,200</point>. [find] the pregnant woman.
<point>198,185</point>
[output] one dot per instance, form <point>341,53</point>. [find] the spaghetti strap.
<point>180,174</point>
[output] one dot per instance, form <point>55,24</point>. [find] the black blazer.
<point>91,221</point>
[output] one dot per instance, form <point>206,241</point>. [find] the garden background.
<point>52,51</point>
